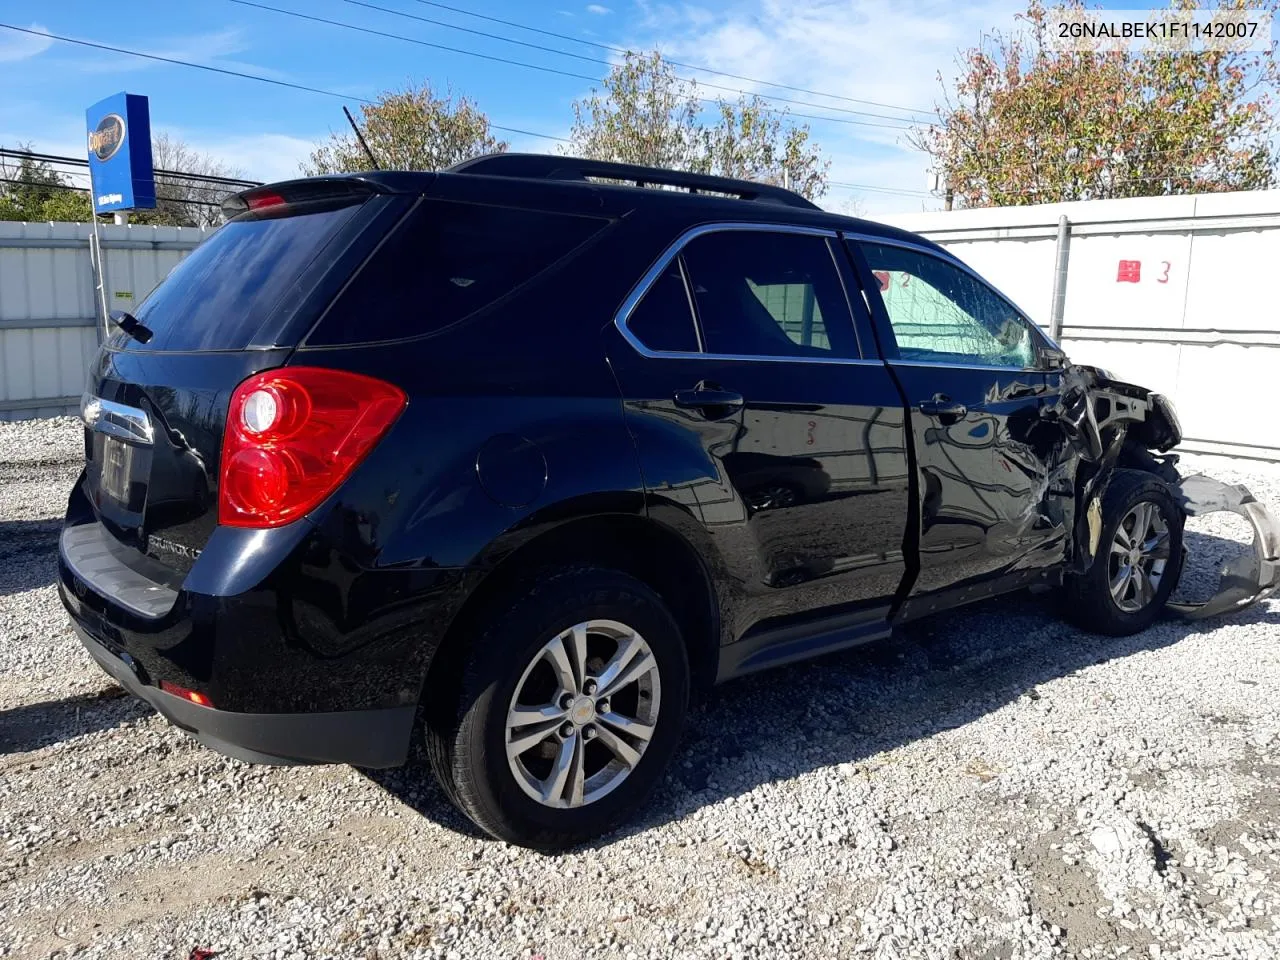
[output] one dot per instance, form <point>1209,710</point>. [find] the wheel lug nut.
<point>590,688</point>
<point>589,733</point>
<point>603,706</point>
<point>566,730</point>
<point>566,701</point>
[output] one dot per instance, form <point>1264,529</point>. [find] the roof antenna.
<point>359,136</point>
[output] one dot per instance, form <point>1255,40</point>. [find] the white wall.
<point>1201,325</point>
<point>48,321</point>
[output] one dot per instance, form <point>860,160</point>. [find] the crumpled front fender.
<point>1248,578</point>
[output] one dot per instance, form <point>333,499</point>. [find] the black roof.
<point>628,185</point>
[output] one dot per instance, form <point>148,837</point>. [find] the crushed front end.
<point>1249,577</point>
<point>1108,424</point>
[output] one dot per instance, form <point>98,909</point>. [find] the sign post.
<point>120,172</point>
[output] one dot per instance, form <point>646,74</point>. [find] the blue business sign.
<point>120,154</point>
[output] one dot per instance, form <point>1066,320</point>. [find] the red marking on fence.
<point>1129,271</point>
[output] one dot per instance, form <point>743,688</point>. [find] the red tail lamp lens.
<point>199,699</point>
<point>293,435</point>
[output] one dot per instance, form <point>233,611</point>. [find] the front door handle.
<point>705,395</point>
<point>943,406</point>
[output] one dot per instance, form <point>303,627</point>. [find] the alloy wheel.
<point>583,713</point>
<point>1139,555</point>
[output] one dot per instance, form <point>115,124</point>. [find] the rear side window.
<point>765,294</point>
<point>663,319</point>
<point>443,263</point>
<point>219,296</point>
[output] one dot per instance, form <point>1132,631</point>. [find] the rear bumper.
<point>362,738</point>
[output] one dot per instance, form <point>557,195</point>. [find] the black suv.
<point>520,455</point>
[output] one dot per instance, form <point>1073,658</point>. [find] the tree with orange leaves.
<point>1026,122</point>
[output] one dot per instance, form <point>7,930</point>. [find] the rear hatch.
<point>156,400</point>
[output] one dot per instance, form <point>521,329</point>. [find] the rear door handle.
<point>705,395</point>
<point>943,406</point>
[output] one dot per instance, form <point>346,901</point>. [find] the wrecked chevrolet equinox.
<point>516,457</point>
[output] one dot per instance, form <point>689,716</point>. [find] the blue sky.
<point>863,50</point>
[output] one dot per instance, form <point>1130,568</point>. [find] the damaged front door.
<point>969,365</point>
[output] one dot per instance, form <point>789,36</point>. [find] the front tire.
<point>572,703</point>
<point>1138,562</point>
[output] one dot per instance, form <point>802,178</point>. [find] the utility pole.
<point>948,198</point>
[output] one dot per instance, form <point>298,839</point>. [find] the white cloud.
<point>15,46</point>
<point>887,53</point>
<point>59,134</point>
<point>212,49</point>
<point>890,52</point>
<point>887,181</point>
<point>598,10</point>
<point>262,156</point>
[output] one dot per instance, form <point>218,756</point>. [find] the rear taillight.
<point>293,435</point>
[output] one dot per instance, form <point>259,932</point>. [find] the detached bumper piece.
<point>362,738</point>
<point>1248,578</point>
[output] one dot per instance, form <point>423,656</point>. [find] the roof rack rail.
<point>537,166</point>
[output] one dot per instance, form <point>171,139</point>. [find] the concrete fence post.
<point>1062,254</point>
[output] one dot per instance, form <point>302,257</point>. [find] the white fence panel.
<point>49,323</point>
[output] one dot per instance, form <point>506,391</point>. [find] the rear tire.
<point>1138,562</point>
<point>572,703</point>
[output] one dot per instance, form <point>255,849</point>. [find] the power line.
<point>236,73</point>
<point>75,189</point>
<point>1134,158</point>
<point>175,174</point>
<point>1066,140</point>
<point>1050,188</point>
<point>867,186</point>
<point>677,63</point>
<point>986,187</point>
<point>83,174</point>
<point>421,43</point>
<point>528,66</point>
<point>606,63</point>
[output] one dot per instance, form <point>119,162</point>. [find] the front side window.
<point>764,294</point>
<point>942,314</point>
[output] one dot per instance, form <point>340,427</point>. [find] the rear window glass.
<point>663,319</point>
<point>445,262</point>
<point>219,296</point>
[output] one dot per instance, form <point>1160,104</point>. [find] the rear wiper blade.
<point>127,322</point>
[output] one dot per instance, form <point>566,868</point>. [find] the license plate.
<point>117,469</point>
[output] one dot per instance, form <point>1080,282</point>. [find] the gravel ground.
<point>992,785</point>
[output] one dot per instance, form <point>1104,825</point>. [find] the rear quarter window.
<point>444,262</point>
